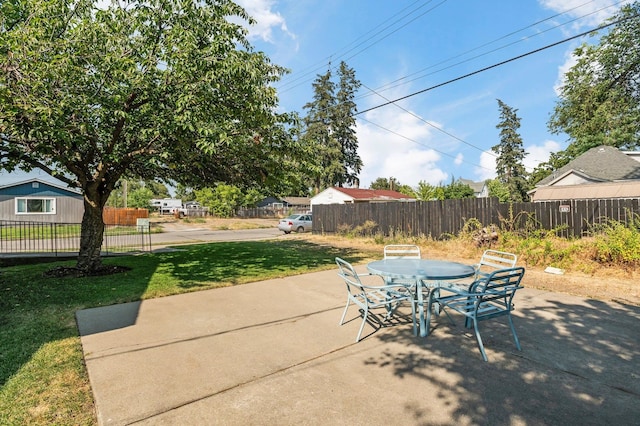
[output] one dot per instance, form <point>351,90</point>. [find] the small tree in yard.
<point>222,201</point>
<point>146,89</point>
<point>140,198</point>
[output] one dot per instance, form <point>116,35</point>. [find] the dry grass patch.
<point>216,224</point>
<point>583,277</point>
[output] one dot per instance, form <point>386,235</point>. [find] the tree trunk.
<point>92,231</point>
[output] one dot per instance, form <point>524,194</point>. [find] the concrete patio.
<point>272,353</point>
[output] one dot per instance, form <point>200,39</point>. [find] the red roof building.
<point>338,195</point>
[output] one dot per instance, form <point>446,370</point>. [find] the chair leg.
<point>513,331</point>
<point>344,313</point>
<point>413,316</point>
<point>364,320</point>
<point>428,324</point>
<point>479,339</point>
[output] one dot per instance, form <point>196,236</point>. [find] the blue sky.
<point>401,47</point>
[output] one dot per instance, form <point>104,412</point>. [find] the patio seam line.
<point>238,385</point>
<point>134,349</point>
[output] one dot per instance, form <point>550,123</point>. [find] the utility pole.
<point>124,193</point>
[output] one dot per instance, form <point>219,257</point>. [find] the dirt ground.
<point>604,284</point>
<point>215,223</point>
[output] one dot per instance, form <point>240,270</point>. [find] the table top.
<point>420,269</point>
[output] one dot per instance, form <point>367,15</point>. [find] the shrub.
<point>618,244</point>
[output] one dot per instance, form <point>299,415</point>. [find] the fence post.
<point>53,231</point>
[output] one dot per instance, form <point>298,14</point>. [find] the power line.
<point>392,84</point>
<point>444,131</point>
<point>289,84</point>
<point>418,143</point>
<point>431,124</point>
<point>396,30</point>
<point>453,80</point>
<point>323,62</point>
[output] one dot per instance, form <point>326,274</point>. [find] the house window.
<point>35,205</point>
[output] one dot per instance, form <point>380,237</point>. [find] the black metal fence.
<point>570,218</point>
<point>64,238</point>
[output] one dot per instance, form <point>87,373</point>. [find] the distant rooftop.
<point>602,163</point>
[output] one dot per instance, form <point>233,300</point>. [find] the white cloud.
<point>459,159</point>
<point>266,20</point>
<point>591,13</point>
<point>487,169</point>
<point>570,61</point>
<point>402,153</point>
<point>539,153</point>
<point>536,154</point>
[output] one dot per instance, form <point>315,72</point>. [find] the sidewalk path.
<point>272,353</point>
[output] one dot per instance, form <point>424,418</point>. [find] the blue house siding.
<point>69,206</point>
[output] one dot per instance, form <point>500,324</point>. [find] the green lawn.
<point>42,375</point>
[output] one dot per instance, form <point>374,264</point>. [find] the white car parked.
<point>295,222</point>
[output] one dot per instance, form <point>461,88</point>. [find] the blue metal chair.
<point>488,297</point>
<point>490,261</point>
<point>401,251</point>
<point>368,297</point>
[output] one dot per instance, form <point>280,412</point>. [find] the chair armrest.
<point>367,274</point>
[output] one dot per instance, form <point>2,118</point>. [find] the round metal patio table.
<point>425,273</point>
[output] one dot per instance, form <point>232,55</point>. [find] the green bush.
<point>618,244</point>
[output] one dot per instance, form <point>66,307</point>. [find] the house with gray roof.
<point>601,172</point>
<point>38,200</point>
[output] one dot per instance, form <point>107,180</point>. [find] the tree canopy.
<point>456,190</point>
<point>428,192</point>
<point>150,90</point>
<point>600,99</point>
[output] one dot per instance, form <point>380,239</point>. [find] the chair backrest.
<point>493,259</point>
<point>405,251</point>
<point>500,284</point>
<point>350,276</point>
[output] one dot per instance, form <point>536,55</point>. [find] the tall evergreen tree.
<point>319,133</point>
<point>330,130</point>
<point>509,166</point>
<point>344,124</point>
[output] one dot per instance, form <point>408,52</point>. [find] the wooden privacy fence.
<point>571,218</point>
<point>123,216</point>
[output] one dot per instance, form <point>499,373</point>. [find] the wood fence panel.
<point>123,216</point>
<point>438,218</point>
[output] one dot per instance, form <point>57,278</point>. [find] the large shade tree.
<point>150,89</point>
<point>600,98</point>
